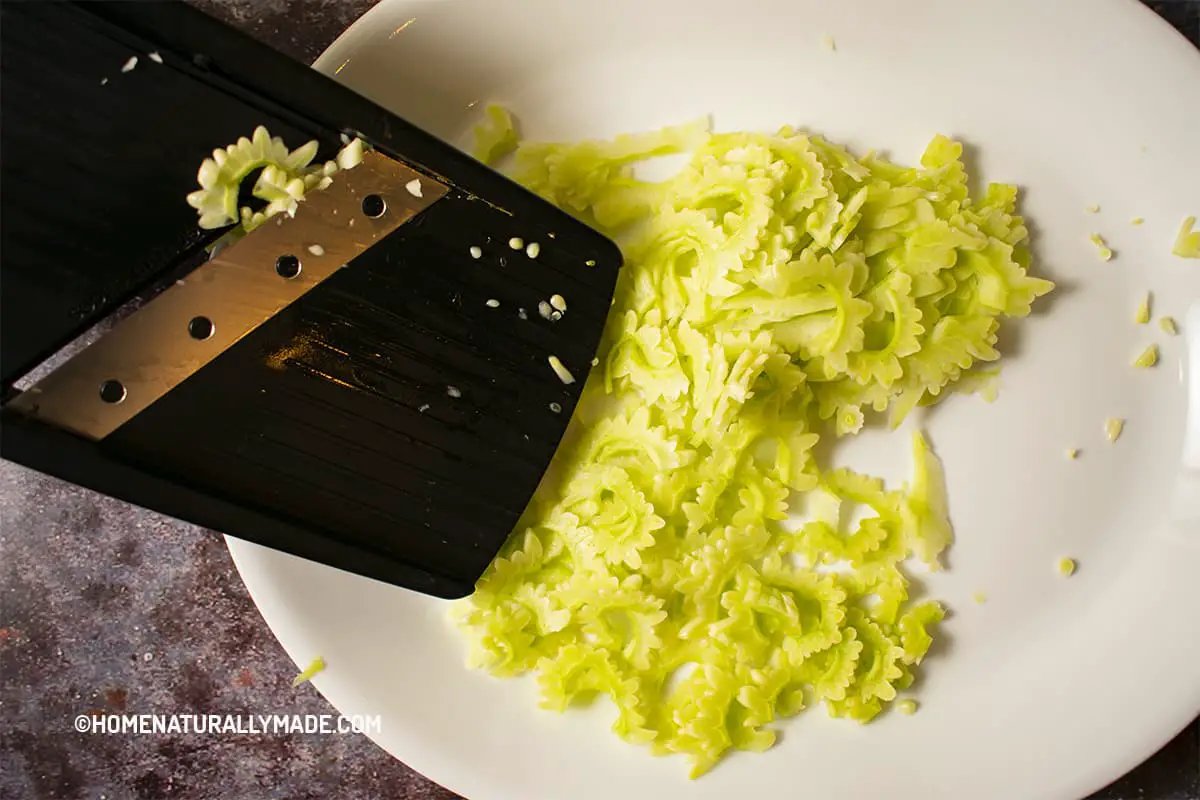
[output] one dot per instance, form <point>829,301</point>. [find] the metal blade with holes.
<point>367,384</point>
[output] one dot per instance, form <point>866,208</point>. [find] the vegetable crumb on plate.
<point>155,57</point>
<point>130,64</point>
<point>1169,326</point>
<point>1148,357</point>
<point>1065,567</point>
<point>1113,426</point>
<point>829,43</point>
<point>979,597</point>
<point>1143,310</point>
<point>1094,208</point>
<point>1072,453</point>
<point>516,243</point>
<point>1102,249</point>
<point>558,303</point>
<point>493,303</point>
<point>454,391</point>
<point>533,249</point>
<point>1187,243</point>
<point>906,707</point>
<point>1137,221</point>
<point>414,187</point>
<point>476,252</point>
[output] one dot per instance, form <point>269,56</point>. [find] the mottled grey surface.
<point>104,607</point>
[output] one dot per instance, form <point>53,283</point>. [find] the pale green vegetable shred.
<point>314,668</point>
<point>777,289</point>
<point>283,180</point>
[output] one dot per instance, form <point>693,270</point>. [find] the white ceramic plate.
<point>1052,688</point>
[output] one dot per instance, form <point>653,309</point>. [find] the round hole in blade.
<point>288,266</point>
<point>200,328</point>
<point>374,206</point>
<point>112,391</point>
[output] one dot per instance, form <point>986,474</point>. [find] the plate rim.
<point>343,47</point>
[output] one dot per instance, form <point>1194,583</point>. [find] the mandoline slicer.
<point>334,384</point>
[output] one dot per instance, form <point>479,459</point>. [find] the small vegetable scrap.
<point>314,667</point>
<point>316,249</point>
<point>129,65</point>
<point>533,249</point>
<point>454,391</point>
<point>413,187</point>
<point>493,303</point>
<point>561,370</point>
<point>558,303</point>
<point>476,252</point>
<point>1072,453</point>
<point>1112,428</point>
<point>1143,311</point>
<point>776,287</point>
<point>1168,326</point>
<point>545,309</point>
<point>1105,253</point>
<point>556,408</point>
<point>351,155</point>
<point>284,179</point>
<point>155,57</point>
<point>1093,209</point>
<point>1137,221</point>
<point>979,597</point>
<point>1065,567</point>
<point>1148,357</point>
<point>829,43</point>
<point>1187,243</point>
<point>516,243</point>
<point>906,707</point>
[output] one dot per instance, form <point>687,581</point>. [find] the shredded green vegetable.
<point>1147,358</point>
<point>776,290</point>
<point>495,137</point>
<point>1143,310</point>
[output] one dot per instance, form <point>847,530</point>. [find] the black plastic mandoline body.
<point>328,431</point>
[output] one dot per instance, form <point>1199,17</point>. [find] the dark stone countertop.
<point>105,607</point>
